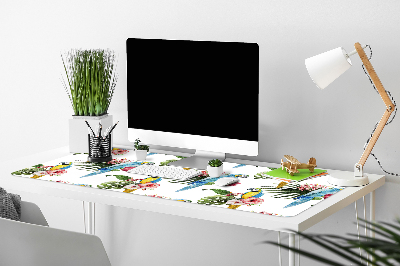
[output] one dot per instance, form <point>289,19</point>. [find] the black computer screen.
<point>193,87</point>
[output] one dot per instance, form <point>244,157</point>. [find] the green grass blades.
<point>91,80</point>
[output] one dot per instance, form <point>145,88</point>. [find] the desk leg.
<point>89,220</point>
<point>372,210</point>
<point>298,247</point>
<point>292,244</point>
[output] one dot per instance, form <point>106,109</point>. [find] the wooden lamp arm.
<point>389,109</point>
<point>378,84</point>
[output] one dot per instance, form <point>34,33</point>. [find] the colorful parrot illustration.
<point>36,176</point>
<point>82,185</point>
<point>150,180</point>
<point>200,183</point>
<point>207,180</point>
<point>62,165</point>
<point>183,200</point>
<point>253,193</point>
<point>309,196</point>
<point>281,184</point>
<point>141,184</point>
<point>116,167</point>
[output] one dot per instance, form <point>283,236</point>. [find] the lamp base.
<point>343,179</point>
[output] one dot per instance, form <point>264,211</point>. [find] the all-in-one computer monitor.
<point>199,95</point>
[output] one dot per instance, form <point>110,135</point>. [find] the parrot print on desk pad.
<point>255,192</point>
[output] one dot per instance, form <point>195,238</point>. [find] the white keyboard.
<point>165,171</point>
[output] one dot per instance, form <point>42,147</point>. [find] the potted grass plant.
<point>90,83</point>
<point>215,168</point>
<point>140,150</point>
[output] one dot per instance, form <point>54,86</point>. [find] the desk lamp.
<point>323,70</point>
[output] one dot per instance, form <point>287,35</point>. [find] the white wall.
<point>295,117</point>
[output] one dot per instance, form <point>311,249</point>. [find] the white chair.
<point>27,244</point>
<point>32,214</point>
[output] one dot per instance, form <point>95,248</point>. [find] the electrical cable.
<point>387,123</point>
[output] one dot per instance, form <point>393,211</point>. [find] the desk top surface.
<point>257,200</point>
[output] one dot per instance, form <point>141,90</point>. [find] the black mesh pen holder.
<point>99,149</point>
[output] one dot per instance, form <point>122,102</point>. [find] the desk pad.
<point>255,192</point>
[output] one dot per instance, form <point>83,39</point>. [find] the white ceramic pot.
<point>141,155</point>
<point>78,131</point>
<point>215,171</point>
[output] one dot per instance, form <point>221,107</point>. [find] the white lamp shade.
<point>326,67</point>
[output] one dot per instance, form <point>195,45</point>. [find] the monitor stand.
<point>199,160</point>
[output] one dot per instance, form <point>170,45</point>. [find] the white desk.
<point>297,223</point>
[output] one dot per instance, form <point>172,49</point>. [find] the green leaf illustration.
<point>215,200</point>
<point>290,190</point>
<point>261,175</point>
<point>221,191</point>
<point>114,184</point>
<point>122,177</point>
<point>165,163</point>
<point>30,170</point>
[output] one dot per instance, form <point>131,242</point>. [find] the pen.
<point>89,127</point>
<point>100,128</point>
<point>106,132</point>
<point>112,129</point>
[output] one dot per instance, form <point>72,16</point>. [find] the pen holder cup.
<point>99,149</point>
